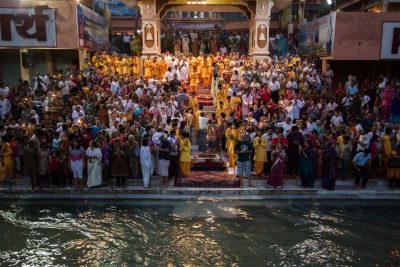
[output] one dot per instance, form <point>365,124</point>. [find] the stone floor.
<point>376,189</point>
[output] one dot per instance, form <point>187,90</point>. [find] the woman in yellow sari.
<point>147,64</point>
<point>6,162</point>
<point>231,135</point>
<point>260,155</point>
<point>193,80</point>
<point>184,154</point>
<point>136,66</point>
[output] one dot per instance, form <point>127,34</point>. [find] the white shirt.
<point>365,100</point>
<point>274,86</point>
<point>346,101</point>
<point>65,87</point>
<point>336,120</point>
<point>203,122</point>
<point>5,107</point>
<point>77,115</point>
<point>4,91</point>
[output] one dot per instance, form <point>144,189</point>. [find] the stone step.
<point>348,184</point>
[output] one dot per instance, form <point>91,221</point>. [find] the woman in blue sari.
<point>306,170</point>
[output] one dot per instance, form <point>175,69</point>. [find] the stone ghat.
<point>377,190</point>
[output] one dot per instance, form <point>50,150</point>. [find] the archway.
<point>257,11</point>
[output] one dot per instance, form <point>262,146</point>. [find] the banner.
<point>317,37</point>
<point>92,29</point>
<point>390,42</point>
<point>119,9</point>
<point>28,27</point>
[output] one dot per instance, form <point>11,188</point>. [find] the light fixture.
<point>197,2</point>
<point>329,2</point>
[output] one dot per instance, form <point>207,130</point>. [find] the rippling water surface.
<point>199,233</point>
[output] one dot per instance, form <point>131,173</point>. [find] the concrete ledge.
<point>205,194</point>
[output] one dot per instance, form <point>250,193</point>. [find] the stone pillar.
<point>49,62</point>
<point>150,28</point>
<point>25,75</point>
<point>83,53</point>
<point>260,29</point>
<point>150,31</point>
<point>251,36</point>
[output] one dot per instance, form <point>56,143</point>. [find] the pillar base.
<point>260,57</point>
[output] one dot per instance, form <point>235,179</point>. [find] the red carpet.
<point>204,96</point>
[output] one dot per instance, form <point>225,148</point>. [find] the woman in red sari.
<point>278,168</point>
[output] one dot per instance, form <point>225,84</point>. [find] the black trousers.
<point>173,170</point>
<point>292,163</point>
<point>363,175</point>
<point>275,96</point>
<point>120,180</point>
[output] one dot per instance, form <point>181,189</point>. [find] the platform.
<point>377,190</point>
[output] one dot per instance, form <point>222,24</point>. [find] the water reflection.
<point>199,233</point>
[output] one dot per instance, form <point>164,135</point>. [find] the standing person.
<point>202,132</point>
<point>328,166</point>
<point>173,169</point>
<point>274,87</point>
<point>295,139</point>
<point>393,170</point>
<point>306,171</point>
<point>386,149</point>
<point>278,167</point>
<point>362,163</point>
<point>211,137</point>
<point>184,158</point>
<point>55,168</point>
<point>133,152</point>
<point>163,158</point>
<point>119,165</point>
<point>243,149</point>
<point>345,151</point>
<point>269,136</point>
<point>106,160</point>
<point>44,156</point>
<point>260,155</point>
<point>65,162</point>
<point>328,76</point>
<point>94,166</point>
<point>146,162</point>
<point>31,163</point>
<point>77,157</point>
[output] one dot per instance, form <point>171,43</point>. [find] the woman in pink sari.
<point>278,168</point>
<point>386,101</point>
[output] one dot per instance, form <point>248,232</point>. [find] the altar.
<point>208,162</point>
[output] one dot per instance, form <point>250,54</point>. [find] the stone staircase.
<point>204,96</point>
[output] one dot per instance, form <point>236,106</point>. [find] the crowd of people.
<point>276,118</point>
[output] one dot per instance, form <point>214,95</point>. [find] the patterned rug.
<point>210,179</point>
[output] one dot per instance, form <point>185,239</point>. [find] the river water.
<point>199,233</point>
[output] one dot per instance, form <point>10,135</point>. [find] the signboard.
<point>28,27</point>
<point>286,16</point>
<point>390,42</point>
<point>317,37</point>
<point>119,9</point>
<point>92,29</point>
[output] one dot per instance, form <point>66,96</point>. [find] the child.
<point>393,172</point>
